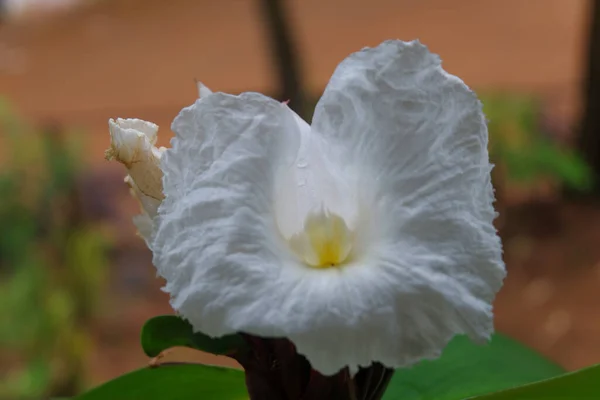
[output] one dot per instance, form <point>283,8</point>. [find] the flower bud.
<point>132,144</point>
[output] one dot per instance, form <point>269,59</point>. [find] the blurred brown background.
<point>65,70</point>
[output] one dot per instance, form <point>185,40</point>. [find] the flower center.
<point>325,241</point>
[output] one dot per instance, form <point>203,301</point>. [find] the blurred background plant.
<point>528,160</point>
<point>52,262</point>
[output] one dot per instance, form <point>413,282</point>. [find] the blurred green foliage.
<point>52,262</point>
<point>519,147</point>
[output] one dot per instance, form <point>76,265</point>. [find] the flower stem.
<point>351,389</point>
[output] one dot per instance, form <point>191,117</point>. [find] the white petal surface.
<point>216,240</point>
<point>418,140</point>
<point>313,182</point>
<point>395,140</point>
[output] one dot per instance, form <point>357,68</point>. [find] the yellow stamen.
<point>325,241</point>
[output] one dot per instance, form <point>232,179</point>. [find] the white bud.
<point>132,144</point>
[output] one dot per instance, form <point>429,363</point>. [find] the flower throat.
<point>325,241</point>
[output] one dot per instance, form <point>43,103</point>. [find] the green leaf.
<point>163,332</point>
<point>166,331</point>
<point>224,345</point>
<point>582,384</point>
<point>173,382</point>
<point>466,369</point>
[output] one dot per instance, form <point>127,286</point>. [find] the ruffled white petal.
<point>398,150</point>
<point>418,142</point>
<point>216,240</point>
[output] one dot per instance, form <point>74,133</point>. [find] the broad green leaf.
<point>466,369</point>
<point>582,384</point>
<point>166,331</point>
<point>173,382</point>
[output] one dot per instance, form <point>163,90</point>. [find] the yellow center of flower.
<point>325,241</point>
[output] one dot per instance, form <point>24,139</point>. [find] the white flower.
<point>365,237</point>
